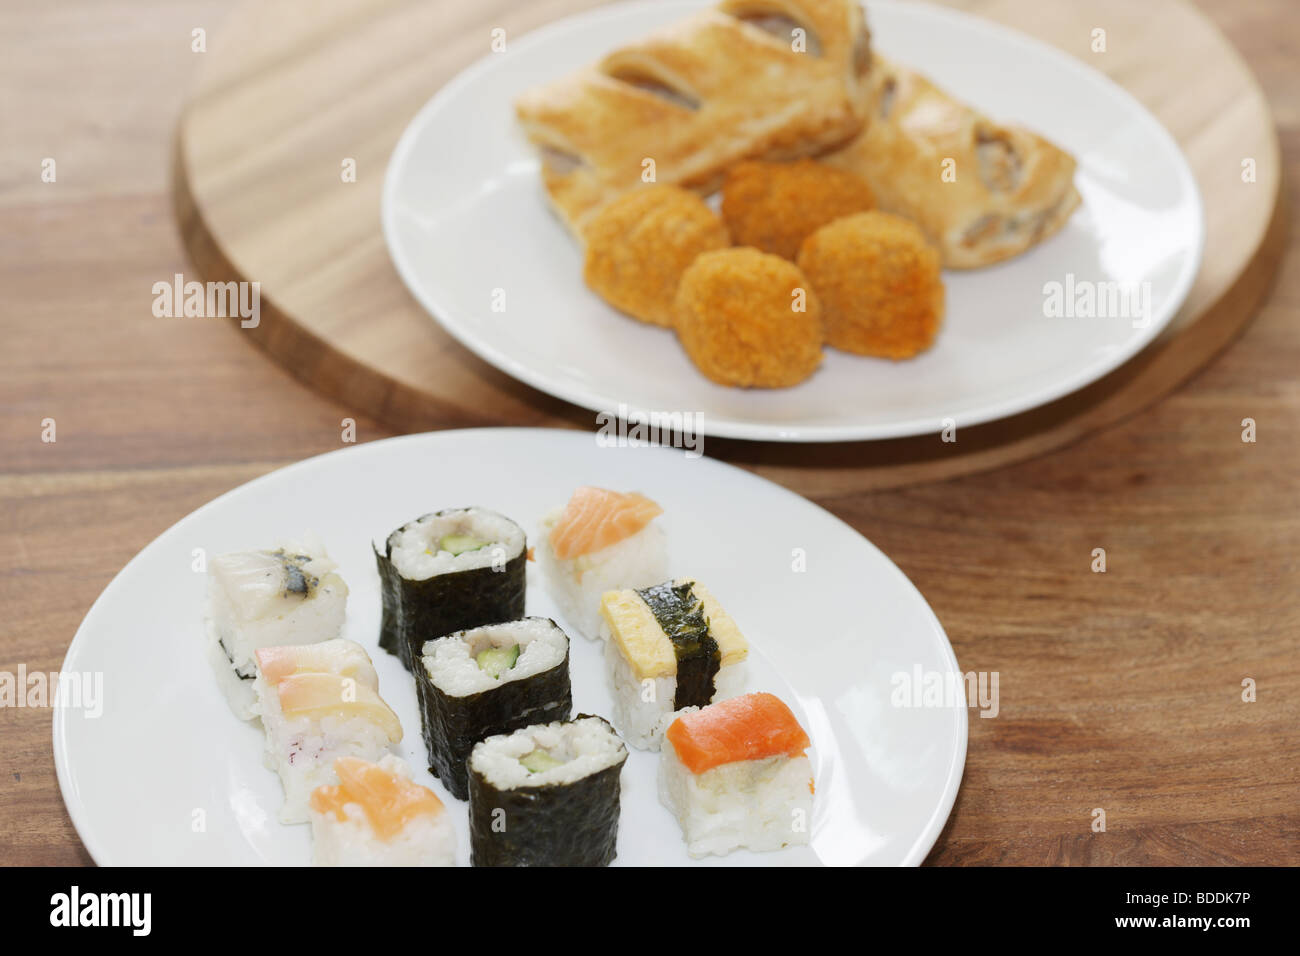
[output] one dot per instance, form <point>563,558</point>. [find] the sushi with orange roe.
<point>602,540</point>
<point>736,774</point>
<point>376,815</point>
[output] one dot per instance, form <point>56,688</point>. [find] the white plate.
<point>464,215</point>
<point>827,640</point>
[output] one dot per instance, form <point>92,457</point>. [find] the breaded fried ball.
<point>640,244</point>
<point>749,319</point>
<point>878,282</point>
<point>776,206</point>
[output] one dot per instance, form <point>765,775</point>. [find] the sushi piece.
<point>735,774</point>
<point>449,571</point>
<point>377,816</point>
<point>319,702</point>
<point>290,595</point>
<point>546,795</point>
<point>667,647</point>
<point>485,681</point>
<point>601,541</point>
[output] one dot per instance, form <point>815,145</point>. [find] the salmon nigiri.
<point>388,799</point>
<point>378,816</point>
<point>596,518</point>
<point>736,774</point>
<point>750,727</point>
<point>600,541</point>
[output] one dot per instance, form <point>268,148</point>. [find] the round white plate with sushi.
<point>471,235</point>
<point>733,676</point>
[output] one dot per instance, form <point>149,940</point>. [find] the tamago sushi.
<point>667,647</point>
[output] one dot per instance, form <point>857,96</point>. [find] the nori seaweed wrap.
<point>546,795</point>
<point>680,614</point>
<point>447,571</point>
<point>489,680</point>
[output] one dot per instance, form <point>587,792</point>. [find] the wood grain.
<point>1118,690</point>
<point>344,324</point>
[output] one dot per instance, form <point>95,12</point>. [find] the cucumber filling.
<point>495,661</point>
<point>461,543</point>
<point>538,761</point>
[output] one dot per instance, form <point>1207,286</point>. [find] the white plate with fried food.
<point>481,224</point>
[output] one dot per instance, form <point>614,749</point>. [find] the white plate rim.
<point>76,807</point>
<point>723,427</point>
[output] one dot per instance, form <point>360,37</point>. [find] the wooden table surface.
<point>1120,690</point>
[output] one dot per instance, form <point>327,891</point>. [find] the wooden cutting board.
<point>290,88</point>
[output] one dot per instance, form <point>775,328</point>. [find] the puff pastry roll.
<point>747,79</point>
<point>1012,188</point>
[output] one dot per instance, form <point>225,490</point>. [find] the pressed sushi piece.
<point>546,795</point>
<point>489,680</point>
<point>289,595</point>
<point>735,774</point>
<point>317,703</point>
<point>667,647</point>
<point>449,571</point>
<point>600,541</point>
<point>376,815</point>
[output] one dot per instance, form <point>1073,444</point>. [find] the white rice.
<point>643,709</point>
<point>586,745</point>
<point>576,585</point>
<point>414,551</point>
<point>427,840</point>
<point>757,804</point>
<point>450,661</point>
<point>249,608</point>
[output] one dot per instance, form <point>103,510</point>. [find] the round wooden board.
<point>290,88</point>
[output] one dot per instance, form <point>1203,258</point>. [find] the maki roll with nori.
<point>489,680</point>
<point>667,647</point>
<point>546,795</point>
<point>287,595</point>
<point>449,571</point>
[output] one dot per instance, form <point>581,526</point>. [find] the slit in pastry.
<point>781,27</point>
<point>654,86</point>
<point>558,161</point>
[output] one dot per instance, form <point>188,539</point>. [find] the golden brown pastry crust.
<point>719,87</point>
<point>1012,187</point>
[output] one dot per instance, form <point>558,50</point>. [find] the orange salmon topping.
<point>750,727</point>
<point>389,800</point>
<point>595,518</point>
